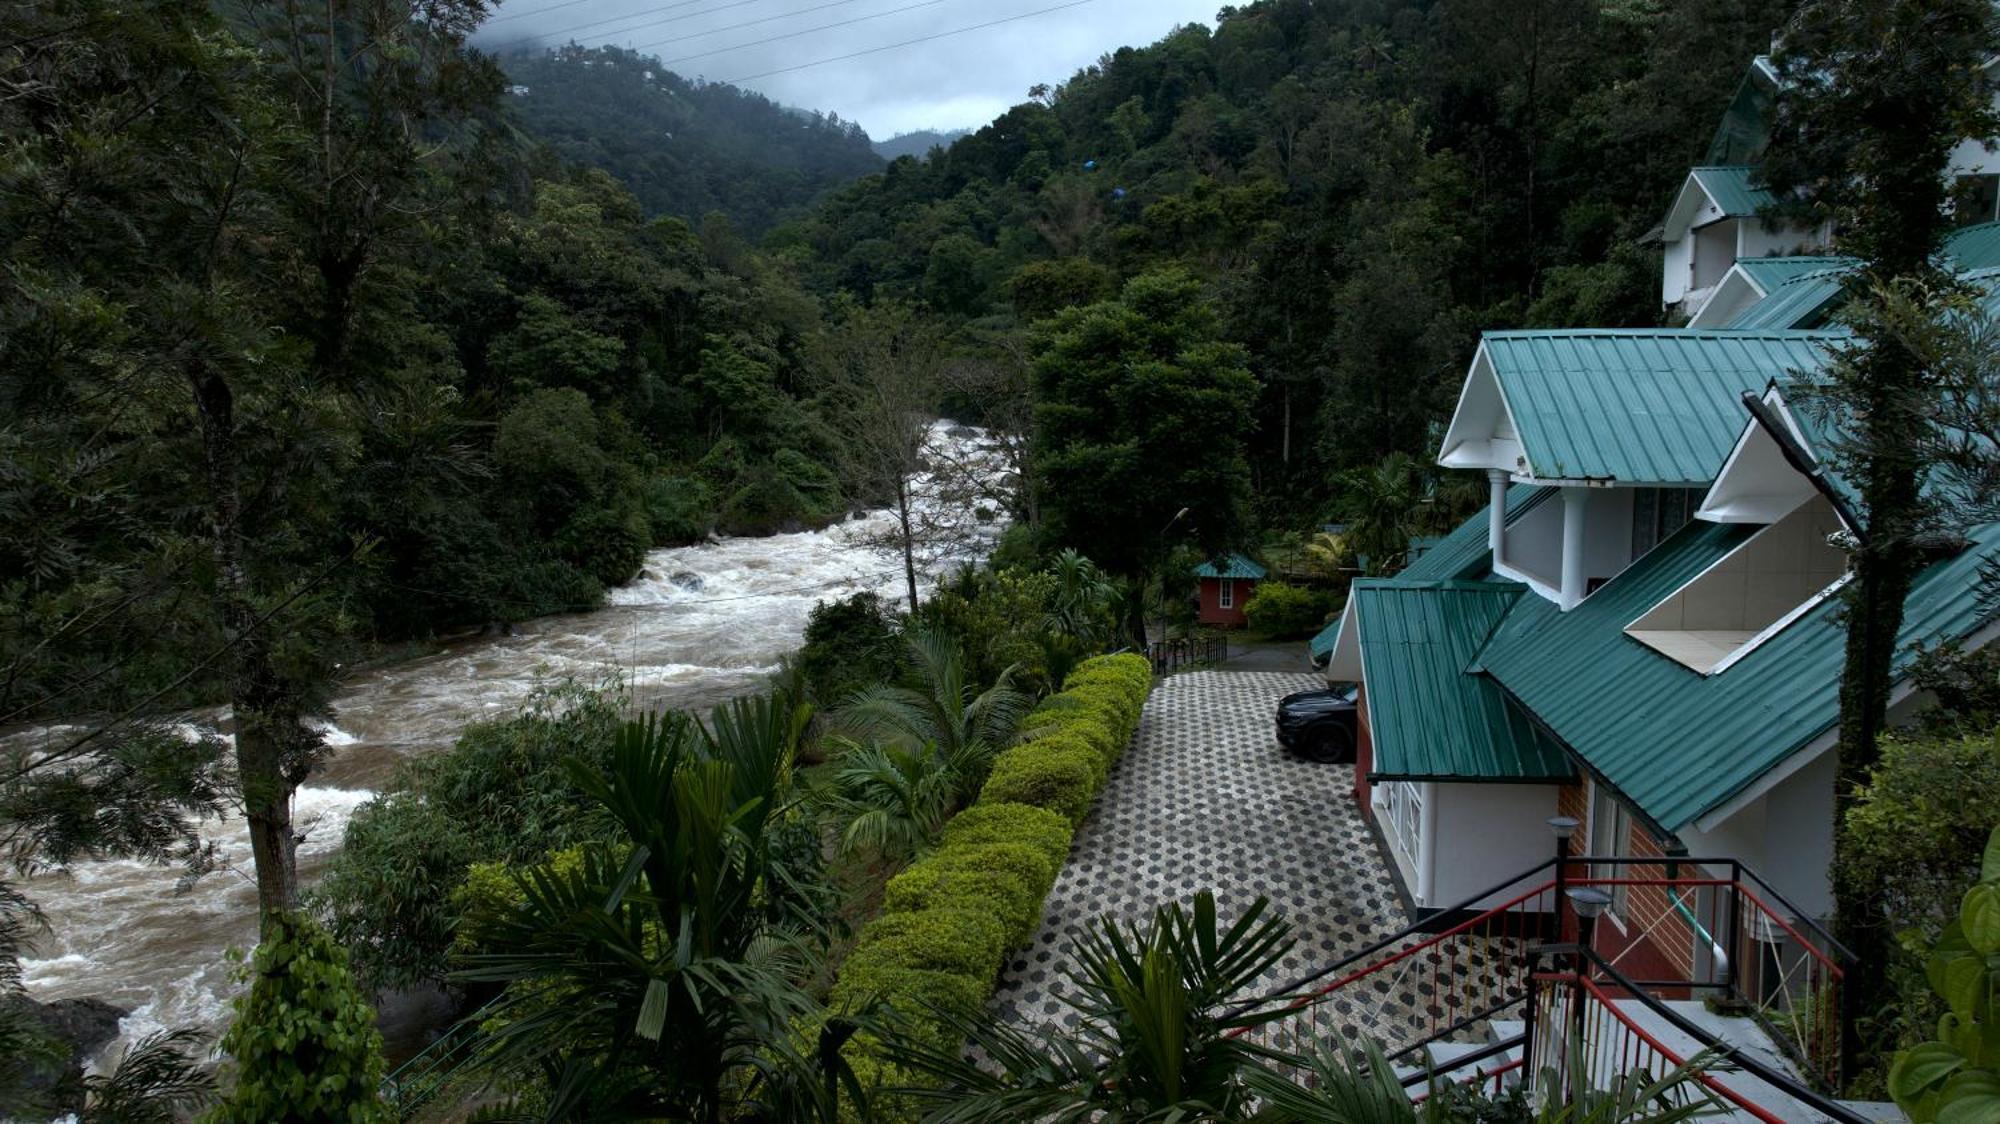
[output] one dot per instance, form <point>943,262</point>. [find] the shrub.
<point>1003,895</point>
<point>387,894</point>
<point>679,510</point>
<point>849,644</point>
<point>304,1040</point>
<point>1282,611</point>
<point>941,940</point>
<point>1061,773</point>
<point>1024,860</point>
<point>1956,1076</point>
<point>997,822</point>
<point>608,541</point>
<point>910,990</point>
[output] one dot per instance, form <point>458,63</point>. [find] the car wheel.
<point>1334,747</point>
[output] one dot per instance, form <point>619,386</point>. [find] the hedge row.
<point>949,920</point>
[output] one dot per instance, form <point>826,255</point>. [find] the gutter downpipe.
<point>1718,954</point>
<point>1496,511</point>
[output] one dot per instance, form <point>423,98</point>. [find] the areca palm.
<point>892,801</point>
<point>943,712</point>
<point>1153,1042</point>
<point>651,978</point>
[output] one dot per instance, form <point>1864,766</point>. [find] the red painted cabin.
<point>1225,588</point>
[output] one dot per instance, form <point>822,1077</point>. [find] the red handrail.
<point>1307,999</point>
<point>1659,1047</point>
<point>1735,884</point>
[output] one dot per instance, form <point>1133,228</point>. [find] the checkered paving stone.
<point>1205,798</point>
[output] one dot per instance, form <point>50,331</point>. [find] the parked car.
<point>1320,725</point>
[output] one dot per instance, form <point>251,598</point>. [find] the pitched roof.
<point>1729,186</point>
<point>1460,554</point>
<point>1638,406</point>
<point>1975,247</point>
<point>1802,301</point>
<point>1233,566</point>
<point>1677,743</point>
<point>1769,273</point>
<point>1427,719</point>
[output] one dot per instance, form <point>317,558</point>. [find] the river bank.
<point>703,623</point>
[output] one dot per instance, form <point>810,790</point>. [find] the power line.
<point>904,43</point>
<point>733,26</point>
<point>655,23</point>
<point>574,3</point>
<point>794,34</point>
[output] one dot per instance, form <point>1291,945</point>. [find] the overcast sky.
<point>955,81</point>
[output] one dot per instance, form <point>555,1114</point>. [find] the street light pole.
<point>1178,516</point>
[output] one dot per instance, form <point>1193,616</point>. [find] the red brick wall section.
<point>1573,800</point>
<point>1667,948</point>
<point>1213,614</point>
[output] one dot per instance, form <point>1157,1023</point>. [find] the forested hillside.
<point>684,148</point>
<point>1362,186</point>
<point>917,143</point>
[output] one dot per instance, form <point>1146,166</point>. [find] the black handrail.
<point>1439,1069</point>
<point>1778,1079</point>
<point>1291,990</point>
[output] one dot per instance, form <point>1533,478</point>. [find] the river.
<point>701,624</point>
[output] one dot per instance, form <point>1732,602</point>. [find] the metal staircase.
<point>1499,994</point>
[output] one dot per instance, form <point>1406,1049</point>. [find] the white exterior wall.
<point>1674,275</point>
<point>1607,541</point>
<point>1970,158</point>
<point>1534,544</point>
<point>1486,832</point>
<point>1716,248</point>
<point>1786,836</point>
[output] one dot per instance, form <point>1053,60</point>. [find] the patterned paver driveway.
<point>1205,799</point>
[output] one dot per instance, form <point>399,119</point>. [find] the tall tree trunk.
<point>1885,566</point>
<point>909,535</point>
<point>255,693</point>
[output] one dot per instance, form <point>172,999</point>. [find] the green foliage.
<point>1151,1042</point>
<point>1060,772</point>
<point>1286,612</point>
<point>304,1045</point>
<point>1113,473</point>
<point>680,510</point>
<point>1040,828</point>
<point>505,792</point>
<point>1955,1077</point>
<point>1965,685</point>
<point>686,146</point>
<point>849,644</point>
<point>1913,838</point>
<point>997,618</point>
<point>660,975</point>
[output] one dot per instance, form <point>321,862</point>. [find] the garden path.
<point>1205,798</point>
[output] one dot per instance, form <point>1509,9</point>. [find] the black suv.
<point>1319,725</point>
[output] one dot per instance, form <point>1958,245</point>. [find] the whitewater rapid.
<point>701,624</point>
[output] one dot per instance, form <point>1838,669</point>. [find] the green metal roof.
<point>1729,186</point>
<point>1769,273</point>
<point>1462,554</point>
<point>1975,247</point>
<point>1427,718</point>
<point>1638,406</point>
<point>1676,743</point>
<point>1805,301</point>
<point>1233,566</point>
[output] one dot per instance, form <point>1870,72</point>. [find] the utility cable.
<point>731,27</point>
<point>643,26</point>
<point>574,3</point>
<point>796,34</point>
<point>904,43</point>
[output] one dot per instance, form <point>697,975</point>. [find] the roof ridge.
<point>1660,333</point>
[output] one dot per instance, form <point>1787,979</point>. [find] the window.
<point>1749,594</point>
<point>1226,599</point>
<point>1658,513</point>
<point>1406,817</point>
<point>1610,838</point>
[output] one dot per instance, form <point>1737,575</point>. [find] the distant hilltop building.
<point>518,91</point>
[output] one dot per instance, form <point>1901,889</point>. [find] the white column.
<point>1574,498</point>
<point>1496,511</point>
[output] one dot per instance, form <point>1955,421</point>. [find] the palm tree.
<point>653,978</point>
<point>943,713</point>
<point>1084,604</point>
<point>1350,1084</point>
<point>1153,1043</point>
<point>891,801</point>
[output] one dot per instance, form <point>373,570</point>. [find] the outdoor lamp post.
<point>1178,516</point>
<point>1563,827</point>
<point>1590,904</point>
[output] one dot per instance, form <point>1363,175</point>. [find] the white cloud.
<point>953,82</point>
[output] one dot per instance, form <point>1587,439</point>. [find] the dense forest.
<point>682,147</point>
<point>1360,186</point>
<point>918,142</point>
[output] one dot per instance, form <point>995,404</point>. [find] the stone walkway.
<point>1206,799</point>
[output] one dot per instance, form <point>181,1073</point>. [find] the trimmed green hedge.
<point>949,920</point>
